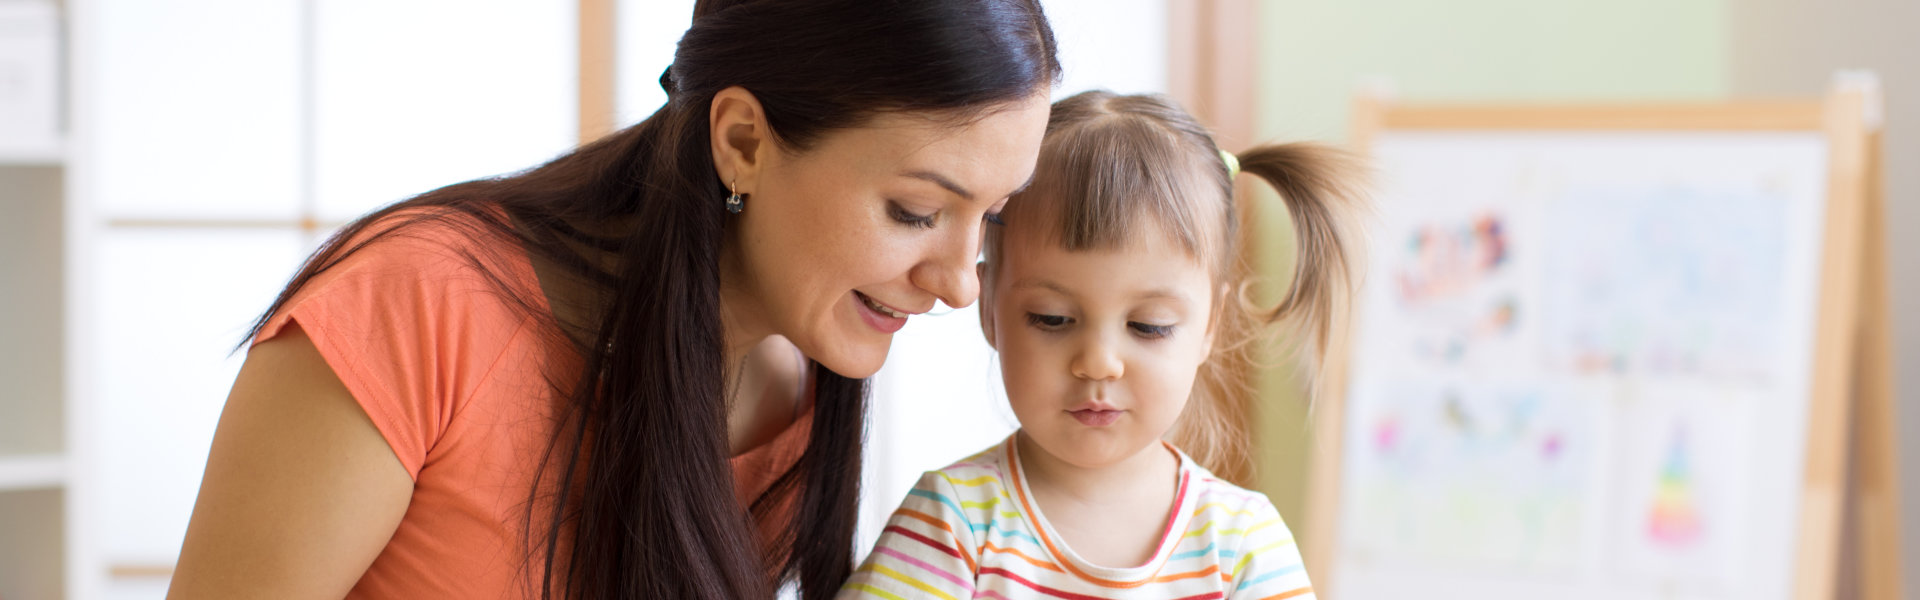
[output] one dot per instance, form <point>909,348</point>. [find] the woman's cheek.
<point>889,257</point>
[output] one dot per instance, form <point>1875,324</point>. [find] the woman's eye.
<point>1046,322</point>
<point>994,219</point>
<point>908,218</point>
<point>1152,332</point>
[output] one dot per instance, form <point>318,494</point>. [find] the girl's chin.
<point>1088,454</point>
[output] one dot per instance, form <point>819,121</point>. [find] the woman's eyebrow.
<point>958,190</point>
<point>940,180</point>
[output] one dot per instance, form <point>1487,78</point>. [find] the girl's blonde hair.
<point>1113,167</point>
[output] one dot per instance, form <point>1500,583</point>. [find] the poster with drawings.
<point>1453,277</point>
<point>1579,365</point>
<point>1637,287</point>
<point>1476,476</point>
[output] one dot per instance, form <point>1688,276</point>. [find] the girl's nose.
<point>1098,360</point>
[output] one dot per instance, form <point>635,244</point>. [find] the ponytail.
<point>1320,187</point>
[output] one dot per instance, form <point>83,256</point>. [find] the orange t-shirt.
<point>455,378</point>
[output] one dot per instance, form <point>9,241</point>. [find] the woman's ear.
<point>740,137</point>
<point>986,304</point>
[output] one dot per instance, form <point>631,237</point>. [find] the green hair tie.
<point>1233,164</point>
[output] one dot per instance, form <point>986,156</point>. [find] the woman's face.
<point>840,244</point>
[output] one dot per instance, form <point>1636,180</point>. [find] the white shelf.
<point>32,155</point>
<point>32,472</point>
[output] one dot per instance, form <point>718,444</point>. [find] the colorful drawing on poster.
<point>1454,284</point>
<point>1673,520</point>
<point>1490,477</point>
<point>1685,476</point>
<point>1633,289</point>
<point>1447,261</point>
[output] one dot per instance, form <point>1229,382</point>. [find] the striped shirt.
<point>972,530</point>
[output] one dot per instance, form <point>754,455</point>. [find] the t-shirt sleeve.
<point>926,551</point>
<point>1269,565</point>
<point>410,325</point>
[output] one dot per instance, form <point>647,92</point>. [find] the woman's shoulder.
<point>422,263</point>
<point>429,241</point>
<point>414,292</point>
<point>414,319</point>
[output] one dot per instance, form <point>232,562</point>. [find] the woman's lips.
<point>880,321</point>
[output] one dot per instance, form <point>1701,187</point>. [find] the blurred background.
<point>164,167</point>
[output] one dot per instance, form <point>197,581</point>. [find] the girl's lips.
<point>1092,417</point>
<point>883,323</point>
<point>1096,404</point>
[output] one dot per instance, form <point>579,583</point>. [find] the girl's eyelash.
<point>1055,322</point>
<point>1152,332</point>
<point>994,219</point>
<point>906,217</point>
<point>1048,322</point>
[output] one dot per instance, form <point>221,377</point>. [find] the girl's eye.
<point>1152,332</point>
<point>908,218</point>
<point>1047,322</point>
<point>994,219</point>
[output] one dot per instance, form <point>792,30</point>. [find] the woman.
<point>567,382</point>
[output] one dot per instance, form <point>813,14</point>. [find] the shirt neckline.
<point>1113,577</point>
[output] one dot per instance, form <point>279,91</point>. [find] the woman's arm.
<point>301,491</point>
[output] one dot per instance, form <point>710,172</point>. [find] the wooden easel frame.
<point>1850,493</point>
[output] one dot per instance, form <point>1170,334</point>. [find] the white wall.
<point>649,30</point>
<point>262,110</point>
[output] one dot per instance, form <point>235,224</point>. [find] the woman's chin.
<point>855,361</point>
<point>856,369</point>
<point>855,358</point>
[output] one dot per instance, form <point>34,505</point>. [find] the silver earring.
<point>735,202</point>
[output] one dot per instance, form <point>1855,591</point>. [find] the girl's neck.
<point>1153,473</point>
<point>1111,516</point>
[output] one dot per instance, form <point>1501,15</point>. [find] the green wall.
<point>1313,53</point>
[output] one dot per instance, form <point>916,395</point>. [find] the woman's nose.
<point>949,273</point>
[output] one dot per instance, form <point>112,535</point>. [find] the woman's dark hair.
<point>636,499</point>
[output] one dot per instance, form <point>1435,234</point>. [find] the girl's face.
<point>1099,348</point>
<point>838,244</point>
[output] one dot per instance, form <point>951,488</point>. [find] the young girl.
<point>1111,284</point>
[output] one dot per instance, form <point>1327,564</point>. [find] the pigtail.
<point>1321,188</point>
